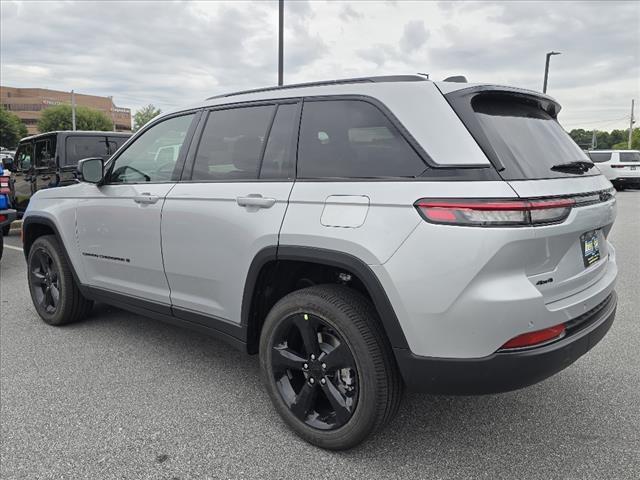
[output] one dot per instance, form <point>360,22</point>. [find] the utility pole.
<point>280,42</point>
<point>631,122</point>
<point>73,110</point>
<point>546,70</point>
<point>594,140</point>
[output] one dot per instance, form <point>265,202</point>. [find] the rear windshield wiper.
<point>579,166</point>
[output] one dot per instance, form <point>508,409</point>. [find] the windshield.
<point>527,140</point>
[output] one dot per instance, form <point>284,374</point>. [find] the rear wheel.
<point>54,293</point>
<point>328,367</point>
<point>6,229</point>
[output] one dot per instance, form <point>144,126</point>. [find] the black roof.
<point>81,133</point>
<point>379,79</point>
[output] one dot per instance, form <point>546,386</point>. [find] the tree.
<point>59,118</point>
<point>142,116</point>
<point>635,141</point>
<point>11,129</point>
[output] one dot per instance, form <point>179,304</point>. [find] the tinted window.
<point>45,152</point>
<point>85,147</point>
<point>526,139</point>
<point>231,144</point>
<point>24,156</point>
<point>352,139</point>
<point>279,156</point>
<point>153,156</point>
<point>599,157</point>
<point>629,156</point>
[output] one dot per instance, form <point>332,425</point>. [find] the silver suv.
<point>359,235</point>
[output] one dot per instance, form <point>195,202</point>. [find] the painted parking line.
<point>11,247</point>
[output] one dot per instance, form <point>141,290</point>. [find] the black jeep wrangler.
<point>50,160</point>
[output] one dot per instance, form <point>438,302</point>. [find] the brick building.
<point>28,103</point>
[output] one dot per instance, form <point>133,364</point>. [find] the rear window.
<point>80,147</point>
<point>526,139</point>
<point>630,156</point>
<point>599,157</point>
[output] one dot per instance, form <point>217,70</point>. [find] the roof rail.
<point>379,79</point>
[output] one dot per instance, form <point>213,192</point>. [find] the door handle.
<point>146,199</point>
<point>256,200</point>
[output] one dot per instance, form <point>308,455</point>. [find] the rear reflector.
<point>4,185</point>
<point>480,212</point>
<point>534,338</point>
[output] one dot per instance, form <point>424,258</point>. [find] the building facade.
<point>28,104</point>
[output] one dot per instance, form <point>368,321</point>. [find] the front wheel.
<point>328,367</point>
<point>54,292</point>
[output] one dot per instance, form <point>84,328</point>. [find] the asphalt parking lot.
<point>123,396</point>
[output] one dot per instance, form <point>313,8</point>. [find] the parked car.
<point>621,167</point>
<point>50,160</point>
<point>7,215</point>
<point>359,235</point>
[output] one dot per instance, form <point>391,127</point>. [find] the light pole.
<point>546,70</point>
<point>280,42</point>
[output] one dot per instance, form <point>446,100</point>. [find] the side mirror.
<point>90,170</point>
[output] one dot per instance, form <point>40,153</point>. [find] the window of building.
<point>231,144</point>
<point>353,139</point>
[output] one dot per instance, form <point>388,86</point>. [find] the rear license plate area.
<point>590,247</point>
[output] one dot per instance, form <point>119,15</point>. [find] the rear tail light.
<point>479,212</point>
<point>4,185</point>
<point>538,337</point>
<point>618,166</point>
<point>2,219</point>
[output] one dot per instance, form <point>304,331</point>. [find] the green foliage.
<point>635,141</point>
<point>605,140</point>
<point>11,129</point>
<point>142,116</point>
<point>59,118</point>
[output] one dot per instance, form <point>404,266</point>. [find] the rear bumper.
<point>10,216</point>
<point>505,371</point>
<point>626,180</point>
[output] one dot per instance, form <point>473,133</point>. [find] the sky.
<point>172,53</point>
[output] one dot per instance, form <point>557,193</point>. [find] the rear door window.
<point>600,157</point>
<point>231,144</point>
<point>526,139</point>
<point>629,156</point>
<point>353,139</point>
<point>279,154</point>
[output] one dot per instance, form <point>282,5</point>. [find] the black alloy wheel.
<point>45,278</point>
<point>314,371</point>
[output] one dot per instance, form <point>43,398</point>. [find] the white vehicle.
<point>621,167</point>
<point>359,235</point>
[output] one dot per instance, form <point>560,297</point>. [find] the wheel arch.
<point>265,264</point>
<point>35,226</point>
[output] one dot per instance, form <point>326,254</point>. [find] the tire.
<point>344,321</point>
<point>47,267</point>
<point>1,246</point>
<point>6,229</point>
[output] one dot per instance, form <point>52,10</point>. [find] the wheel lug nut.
<point>305,366</point>
<point>323,381</point>
<point>311,380</point>
<point>313,357</point>
<point>324,366</point>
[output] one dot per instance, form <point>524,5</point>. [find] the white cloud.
<point>175,53</point>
